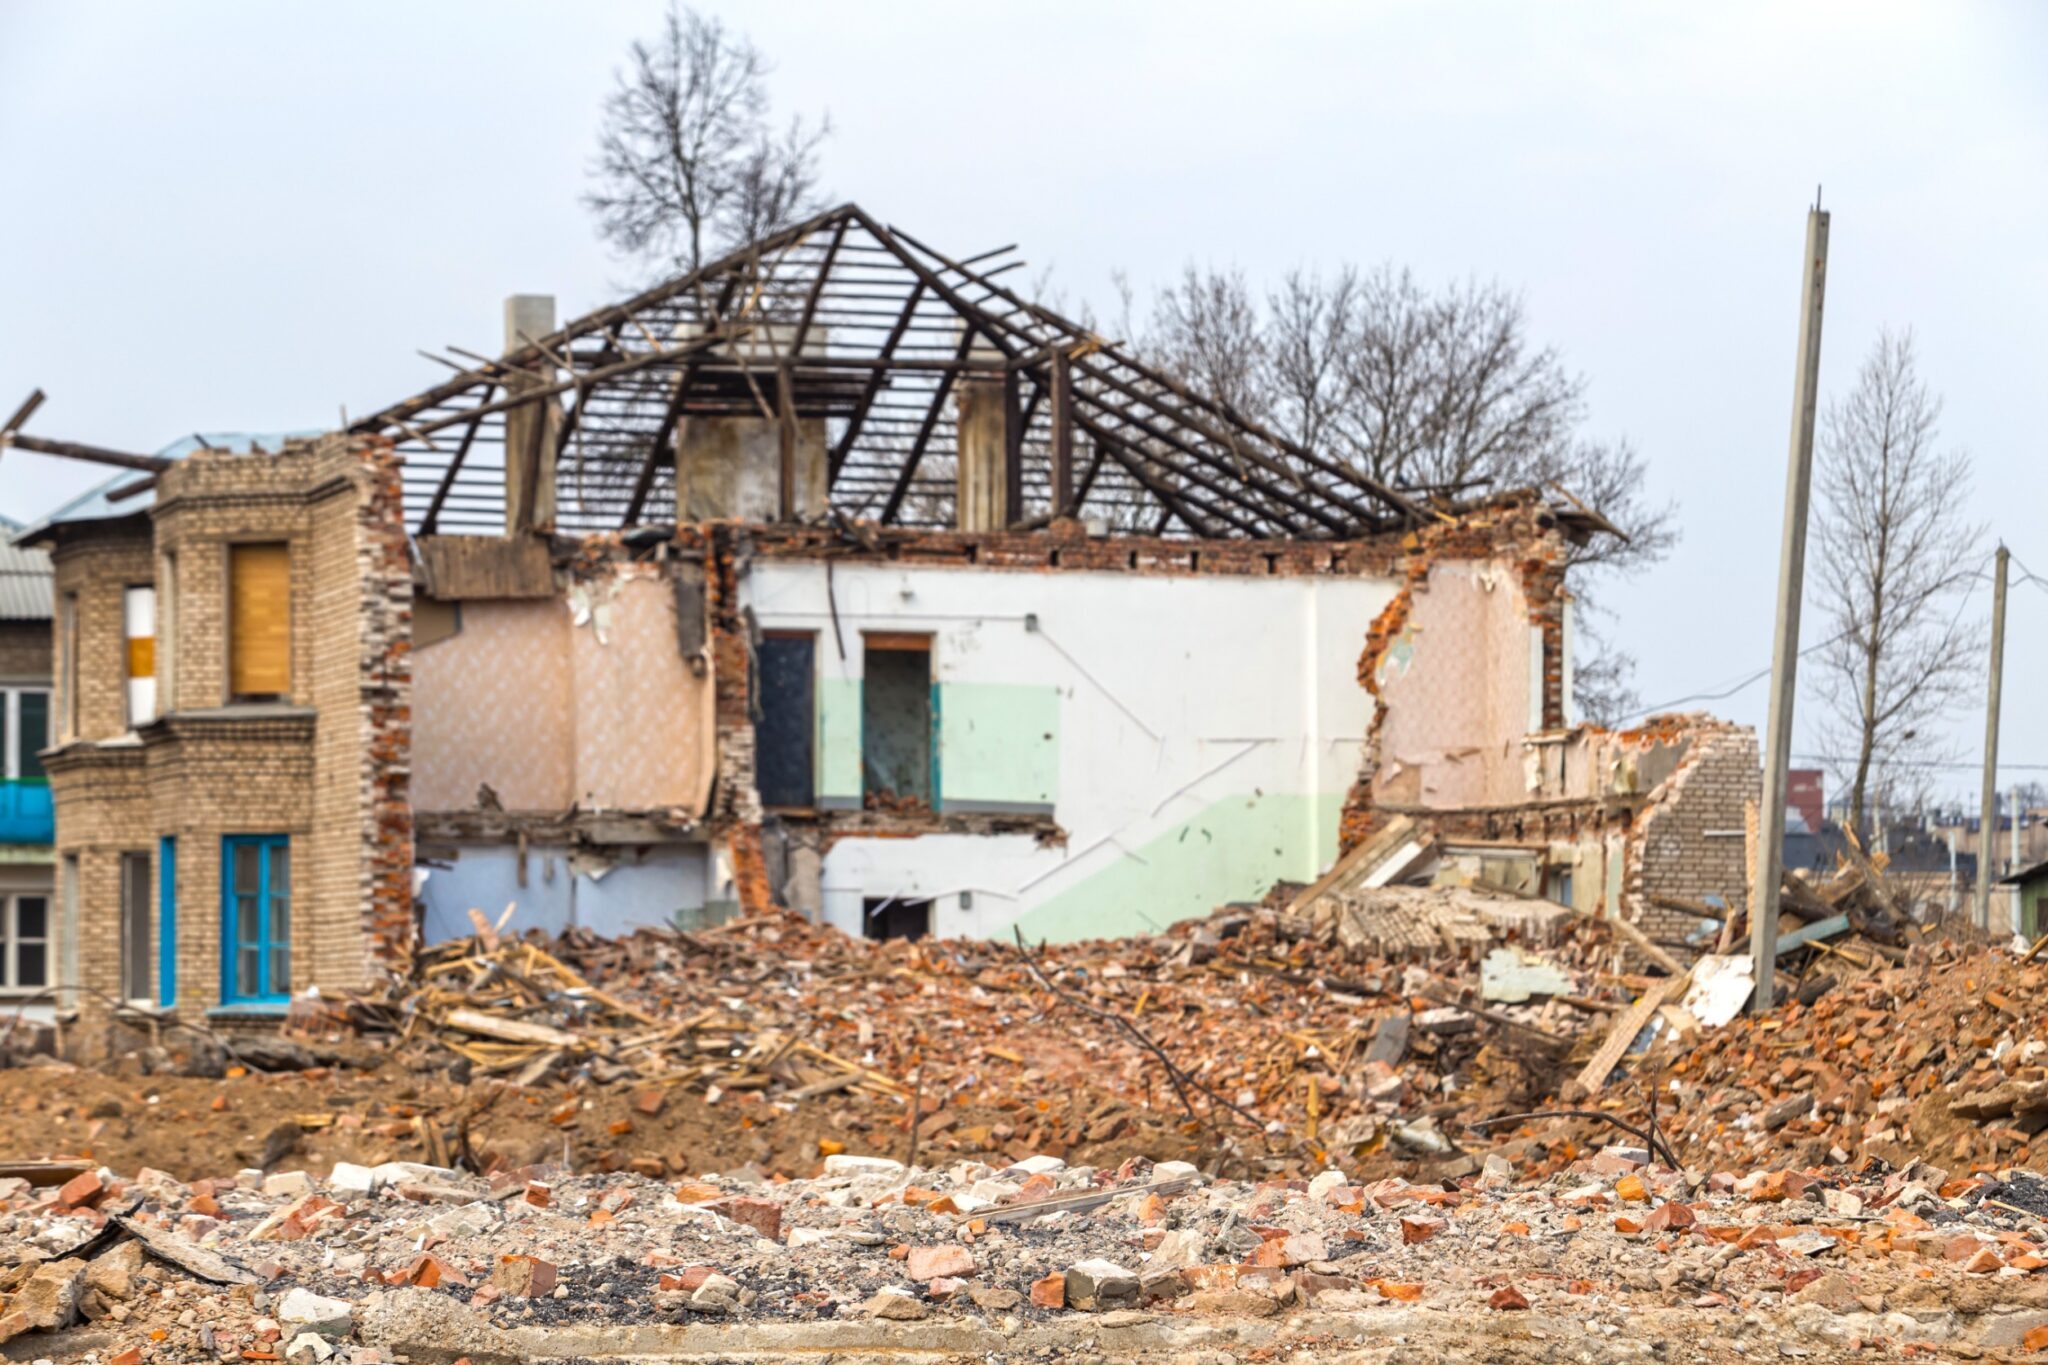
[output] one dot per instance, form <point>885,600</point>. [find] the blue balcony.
<point>27,815</point>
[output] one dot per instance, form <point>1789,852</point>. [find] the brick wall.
<point>1688,840</point>
<point>326,765</point>
<point>91,576</point>
<point>25,651</point>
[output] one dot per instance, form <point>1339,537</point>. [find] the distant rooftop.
<point>25,593</point>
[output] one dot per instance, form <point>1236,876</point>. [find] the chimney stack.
<point>532,430</point>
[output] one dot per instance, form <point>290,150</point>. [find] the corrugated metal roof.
<point>24,578</point>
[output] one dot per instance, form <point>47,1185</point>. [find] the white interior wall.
<point>1178,696</point>
<point>649,889</point>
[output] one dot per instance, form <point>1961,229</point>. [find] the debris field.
<point>1340,1124</point>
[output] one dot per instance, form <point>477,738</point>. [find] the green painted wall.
<point>999,745</point>
<point>839,739</point>
<point>1234,849</point>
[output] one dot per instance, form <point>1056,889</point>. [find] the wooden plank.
<point>1358,863</point>
<point>260,620</point>
<point>486,568</point>
<point>509,1030</point>
<point>1594,1077</point>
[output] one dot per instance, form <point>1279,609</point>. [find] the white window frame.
<point>11,768</point>
<point>11,941</point>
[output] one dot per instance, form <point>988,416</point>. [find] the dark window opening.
<point>25,951</point>
<point>896,722</point>
<point>784,726</point>
<point>135,926</point>
<point>34,735</point>
<point>888,917</point>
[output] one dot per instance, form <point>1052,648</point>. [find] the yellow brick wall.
<point>93,575</point>
<point>325,766</point>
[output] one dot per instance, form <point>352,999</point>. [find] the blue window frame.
<point>256,919</point>
<point>167,921</point>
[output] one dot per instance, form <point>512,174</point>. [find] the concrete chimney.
<point>532,430</point>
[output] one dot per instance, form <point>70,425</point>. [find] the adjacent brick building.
<point>28,938</point>
<point>235,830</point>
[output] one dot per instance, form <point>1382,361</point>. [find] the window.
<point>259,621</point>
<point>138,631</point>
<point>896,721</point>
<point>25,942</point>
<point>888,917</point>
<point>256,888</point>
<point>783,768</point>
<point>25,720</point>
<point>135,927</point>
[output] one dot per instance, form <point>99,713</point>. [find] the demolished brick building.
<point>833,575</point>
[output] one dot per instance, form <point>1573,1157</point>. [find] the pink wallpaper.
<point>491,704</point>
<point>643,719</point>
<point>606,715</point>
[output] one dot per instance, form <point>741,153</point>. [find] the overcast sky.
<point>246,216</point>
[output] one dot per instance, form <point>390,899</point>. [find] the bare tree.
<point>1435,391</point>
<point>687,163</point>
<point>1208,329</point>
<point>1895,557</point>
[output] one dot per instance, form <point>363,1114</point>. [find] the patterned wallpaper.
<point>586,701</point>
<point>491,704</point>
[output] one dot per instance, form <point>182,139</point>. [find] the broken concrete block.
<point>1509,976</point>
<point>349,1179</point>
<point>1178,1249</point>
<point>994,1298</point>
<point>717,1294</point>
<point>110,1279</point>
<point>310,1312</point>
<point>49,1298</point>
<point>287,1184</point>
<point>893,1305</point>
<point>1097,1285</point>
<point>308,1348</point>
<point>844,1163</point>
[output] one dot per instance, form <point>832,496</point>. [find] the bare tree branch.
<point>687,166</point>
<point>1896,558</point>
<point>1436,391</point>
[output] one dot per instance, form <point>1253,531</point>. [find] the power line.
<point>1752,679</point>
<point>1930,763</point>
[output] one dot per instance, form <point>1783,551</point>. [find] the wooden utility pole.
<point>1763,913</point>
<point>1987,807</point>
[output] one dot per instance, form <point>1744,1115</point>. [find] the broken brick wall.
<point>1687,841</point>
<point>1463,664</point>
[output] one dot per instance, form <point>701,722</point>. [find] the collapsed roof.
<point>843,319</point>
